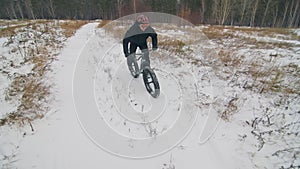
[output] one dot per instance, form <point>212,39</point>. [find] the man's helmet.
<point>142,19</point>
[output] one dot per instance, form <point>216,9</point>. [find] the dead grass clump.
<point>17,86</point>
<point>103,23</point>
<point>32,93</point>
<point>228,59</point>
<point>172,45</point>
<point>273,82</point>
<point>274,79</point>
<point>43,21</point>
<point>268,45</point>
<point>116,29</point>
<point>70,26</point>
<point>230,109</point>
<point>9,31</point>
<point>213,32</point>
<point>12,118</point>
<point>270,32</point>
<point>40,64</point>
<point>247,35</point>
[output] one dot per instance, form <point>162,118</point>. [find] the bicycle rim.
<point>151,82</point>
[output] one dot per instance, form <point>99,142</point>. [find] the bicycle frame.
<point>152,85</point>
<point>141,54</point>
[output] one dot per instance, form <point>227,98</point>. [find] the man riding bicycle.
<point>137,36</point>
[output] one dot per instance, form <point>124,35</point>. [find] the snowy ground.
<point>232,78</point>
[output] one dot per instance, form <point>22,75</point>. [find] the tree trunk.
<point>252,22</point>
<point>51,9</point>
<point>29,9</point>
<point>244,5</point>
<point>225,8</point>
<point>265,13</point>
<point>8,13</point>
<point>134,6</point>
<point>20,9</point>
<point>13,11</point>
<point>274,24</point>
<point>285,13</point>
<point>293,13</point>
<point>202,11</point>
<point>297,19</point>
<point>119,6</point>
<point>216,12</point>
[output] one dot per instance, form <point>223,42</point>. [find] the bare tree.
<point>285,13</point>
<point>275,16</point>
<point>265,13</point>
<point>29,9</point>
<point>134,6</point>
<point>225,10</point>
<point>20,9</point>
<point>293,12</point>
<point>51,9</point>
<point>252,21</point>
<point>202,10</point>
<point>120,4</point>
<point>216,11</point>
<point>10,11</point>
<point>244,4</point>
<point>13,10</point>
<point>297,22</point>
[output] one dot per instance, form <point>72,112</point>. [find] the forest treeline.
<point>262,13</point>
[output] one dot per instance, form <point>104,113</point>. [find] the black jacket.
<point>137,37</point>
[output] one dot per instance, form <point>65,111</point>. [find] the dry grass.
<point>229,59</point>
<point>272,79</point>
<point>244,36</point>
<point>32,93</point>
<point>241,62</point>
<point>103,23</point>
<point>9,31</point>
<point>116,29</point>
<point>11,27</point>
<point>30,90</point>
<point>13,22</point>
<point>172,45</point>
<point>70,26</point>
<point>230,109</point>
<point>249,30</point>
<point>216,32</point>
<point>262,76</point>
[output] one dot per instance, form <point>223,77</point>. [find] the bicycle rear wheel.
<point>151,82</point>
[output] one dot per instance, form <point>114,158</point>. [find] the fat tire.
<point>151,82</point>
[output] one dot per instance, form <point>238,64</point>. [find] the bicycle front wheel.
<point>151,82</point>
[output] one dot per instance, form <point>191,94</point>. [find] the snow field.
<point>242,122</point>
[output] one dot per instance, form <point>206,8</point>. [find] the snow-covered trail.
<point>61,143</point>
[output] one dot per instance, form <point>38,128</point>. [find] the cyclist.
<point>137,36</point>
